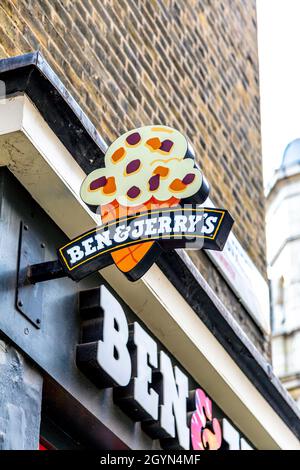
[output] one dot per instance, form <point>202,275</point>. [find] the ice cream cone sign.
<point>149,194</point>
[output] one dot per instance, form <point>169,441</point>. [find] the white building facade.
<point>283,243</point>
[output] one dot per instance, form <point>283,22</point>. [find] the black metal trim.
<point>32,75</point>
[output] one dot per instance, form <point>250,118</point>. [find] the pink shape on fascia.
<point>203,438</point>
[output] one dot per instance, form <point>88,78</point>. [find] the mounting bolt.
<point>20,303</point>
<point>43,245</point>
<point>26,331</point>
<point>26,227</point>
<point>38,321</point>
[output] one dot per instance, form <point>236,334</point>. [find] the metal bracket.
<point>45,271</point>
<point>32,270</point>
<point>29,296</point>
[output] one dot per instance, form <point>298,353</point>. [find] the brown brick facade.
<point>191,64</point>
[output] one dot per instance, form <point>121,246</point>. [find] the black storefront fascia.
<point>30,74</point>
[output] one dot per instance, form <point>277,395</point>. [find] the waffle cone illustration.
<point>145,169</point>
<point>126,259</point>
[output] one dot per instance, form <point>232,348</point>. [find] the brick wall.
<point>191,64</point>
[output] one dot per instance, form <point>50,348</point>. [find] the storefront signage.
<point>139,193</point>
<point>170,227</point>
<point>145,384</point>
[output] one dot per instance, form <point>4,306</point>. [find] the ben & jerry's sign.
<point>148,195</point>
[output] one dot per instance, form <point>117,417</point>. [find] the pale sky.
<point>279,63</point>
